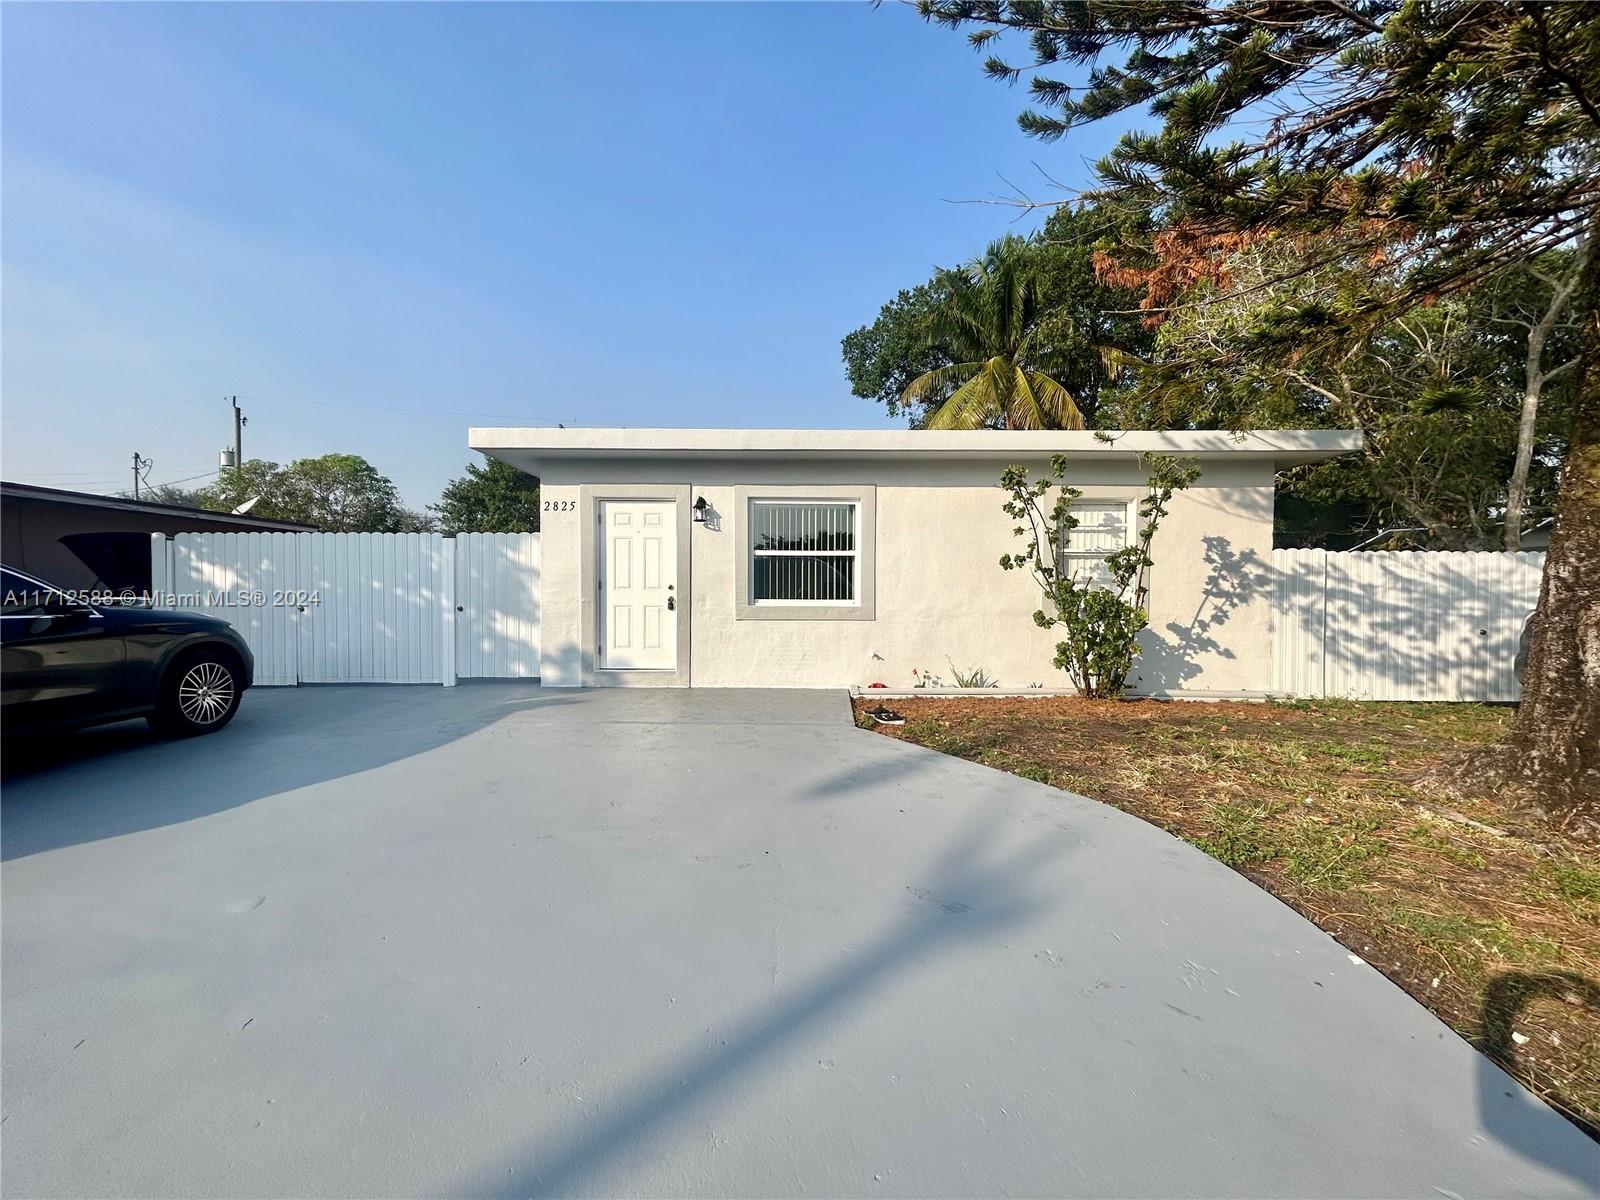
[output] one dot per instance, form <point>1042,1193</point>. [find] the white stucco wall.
<point>941,594</point>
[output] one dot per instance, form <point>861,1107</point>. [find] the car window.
<point>24,597</point>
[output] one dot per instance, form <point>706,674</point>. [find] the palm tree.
<point>989,325</point>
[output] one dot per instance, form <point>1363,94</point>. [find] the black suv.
<point>65,663</point>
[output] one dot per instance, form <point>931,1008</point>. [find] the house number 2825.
<point>560,505</point>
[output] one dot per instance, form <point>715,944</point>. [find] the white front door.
<point>638,585</point>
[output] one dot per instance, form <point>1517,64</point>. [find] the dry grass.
<point>1481,912</point>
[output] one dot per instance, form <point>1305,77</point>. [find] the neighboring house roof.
<point>29,491</point>
<point>1284,447</point>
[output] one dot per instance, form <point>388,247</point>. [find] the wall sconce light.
<point>700,507</point>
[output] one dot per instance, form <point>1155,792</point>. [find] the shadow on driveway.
<point>969,895</point>
<point>67,789</point>
<point>1513,1114</point>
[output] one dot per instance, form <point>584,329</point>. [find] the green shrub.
<point>1101,622</point>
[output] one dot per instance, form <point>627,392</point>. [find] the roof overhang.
<point>527,448</point>
<point>48,495</point>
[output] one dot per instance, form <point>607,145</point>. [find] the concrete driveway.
<point>493,940</point>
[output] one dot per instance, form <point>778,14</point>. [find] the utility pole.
<point>239,422</point>
<point>139,464</point>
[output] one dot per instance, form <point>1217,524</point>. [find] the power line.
<point>427,412</point>
<point>36,412</point>
<point>97,474</point>
<point>102,484</point>
<point>191,478</point>
<point>389,408</point>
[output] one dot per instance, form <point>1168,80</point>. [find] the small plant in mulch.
<point>973,677</point>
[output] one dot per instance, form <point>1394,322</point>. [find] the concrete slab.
<point>498,941</point>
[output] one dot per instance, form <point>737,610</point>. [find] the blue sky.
<point>380,224</point>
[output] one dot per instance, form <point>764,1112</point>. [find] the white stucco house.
<point>828,558</point>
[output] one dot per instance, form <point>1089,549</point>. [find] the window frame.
<point>853,554</point>
<point>863,608</point>
<point>66,606</point>
<point>1130,534</point>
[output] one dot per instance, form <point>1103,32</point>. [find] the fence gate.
<point>1400,625</point>
<point>497,631</point>
<point>377,608</point>
<point>364,607</point>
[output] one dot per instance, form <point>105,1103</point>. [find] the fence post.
<point>159,575</point>
<point>448,570</point>
<point>1322,634</point>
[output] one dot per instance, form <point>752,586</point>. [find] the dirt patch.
<point>1480,911</point>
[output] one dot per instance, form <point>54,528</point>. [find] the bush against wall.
<point>1101,621</point>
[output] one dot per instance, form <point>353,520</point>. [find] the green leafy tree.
<point>1091,324</point>
<point>336,493</point>
<point>1437,142</point>
<point>412,520</point>
<point>256,479</point>
<point>1100,619</point>
<point>1427,478</point>
<point>343,492</point>
<point>495,497</point>
<point>884,358</point>
<point>1534,303</point>
<point>1436,392</point>
<point>1078,324</point>
<point>987,324</point>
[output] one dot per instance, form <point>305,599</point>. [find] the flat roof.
<point>1285,447</point>
<point>34,491</point>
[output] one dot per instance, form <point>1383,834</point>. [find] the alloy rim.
<point>205,693</point>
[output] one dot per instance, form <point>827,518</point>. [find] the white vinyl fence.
<point>1400,625</point>
<point>364,607</point>
<point>422,608</point>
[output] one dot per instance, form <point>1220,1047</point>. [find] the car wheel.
<point>200,694</point>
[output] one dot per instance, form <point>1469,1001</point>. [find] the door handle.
<point>672,604</point>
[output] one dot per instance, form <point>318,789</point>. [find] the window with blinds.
<point>803,552</point>
<point>1102,528</point>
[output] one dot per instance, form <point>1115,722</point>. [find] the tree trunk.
<point>1552,754</point>
<point>1533,384</point>
<point>1534,379</point>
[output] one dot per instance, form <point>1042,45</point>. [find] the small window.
<point>1102,528</point>
<point>25,597</point>
<point>803,552</point>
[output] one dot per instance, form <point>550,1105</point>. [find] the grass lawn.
<point>1483,914</point>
